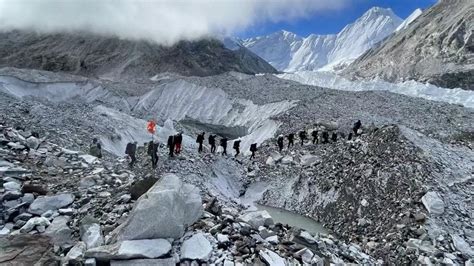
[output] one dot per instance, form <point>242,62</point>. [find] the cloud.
<point>164,21</point>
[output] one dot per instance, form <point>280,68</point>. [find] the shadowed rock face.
<point>438,47</point>
<point>114,58</point>
<point>27,250</point>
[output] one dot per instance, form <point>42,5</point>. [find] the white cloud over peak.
<point>164,21</point>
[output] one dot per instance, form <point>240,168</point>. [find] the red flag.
<point>151,126</point>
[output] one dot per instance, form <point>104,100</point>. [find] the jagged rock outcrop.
<point>437,47</point>
<point>115,58</point>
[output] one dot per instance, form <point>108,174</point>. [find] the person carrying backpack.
<point>200,140</point>
<point>95,149</point>
<point>291,139</point>
<point>280,142</point>
<point>170,144</point>
<point>224,146</point>
<point>131,150</point>
<point>325,137</point>
<point>153,153</point>
<point>356,127</point>
<point>302,136</point>
<point>253,149</point>
<point>178,140</point>
<point>212,143</point>
<point>314,134</point>
<point>237,147</point>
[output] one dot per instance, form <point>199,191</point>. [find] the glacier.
<point>409,88</point>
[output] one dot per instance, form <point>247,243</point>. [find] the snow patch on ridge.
<point>409,20</point>
<point>409,88</point>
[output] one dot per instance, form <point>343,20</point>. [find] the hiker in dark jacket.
<point>212,143</point>
<point>302,136</point>
<point>280,142</point>
<point>224,146</point>
<point>314,134</point>
<point>325,137</point>
<point>237,147</point>
<point>95,149</point>
<point>153,153</point>
<point>170,145</point>
<point>200,140</point>
<point>357,126</point>
<point>334,137</point>
<point>253,149</point>
<point>291,139</point>
<point>178,140</point>
<point>131,150</point>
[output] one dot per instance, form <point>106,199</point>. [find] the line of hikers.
<point>316,137</point>
<point>174,144</point>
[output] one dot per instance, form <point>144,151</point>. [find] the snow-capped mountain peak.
<point>289,52</point>
<point>410,19</point>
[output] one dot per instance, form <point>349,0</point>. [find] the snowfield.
<point>409,88</point>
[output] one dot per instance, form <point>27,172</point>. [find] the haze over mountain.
<point>289,52</point>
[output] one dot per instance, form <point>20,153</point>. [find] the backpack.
<point>94,150</point>
<point>236,144</point>
<point>253,147</point>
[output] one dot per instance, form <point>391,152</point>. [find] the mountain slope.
<point>438,48</point>
<point>114,58</point>
<point>288,52</point>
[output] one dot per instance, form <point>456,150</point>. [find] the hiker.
<point>212,142</point>
<point>314,134</point>
<point>357,126</point>
<point>280,142</point>
<point>334,137</point>
<point>153,152</point>
<point>178,140</point>
<point>224,146</point>
<point>291,138</point>
<point>253,149</point>
<point>200,140</point>
<point>350,136</point>
<point>130,150</point>
<point>237,147</point>
<point>170,145</point>
<point>325,137</point>
<point>95,149</point>
<point>302,136</point>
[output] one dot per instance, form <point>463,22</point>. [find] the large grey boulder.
<point>76,253</point>
<point>59,231</point>
<point>131,249</point>
<point>144,262</point>
<point>196,248</point>
<point>256,218</point>
<point>271,258</point>
<point>46,203</point>
<point>433,203</point>
<point>163,212</point>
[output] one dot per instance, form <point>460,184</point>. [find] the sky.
<point>169,21</point>
<point>330,22</point>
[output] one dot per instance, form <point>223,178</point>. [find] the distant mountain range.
<point>114,58</point>
<point>437,47</point>
<point>289,52</point>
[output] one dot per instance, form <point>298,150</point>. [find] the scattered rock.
<point>131,249</point>
<point>92,235</point>
<point>271,258</point>
<point>433,203</point>
<point>256,218</point>
<point>196,248</point>
<point>46,203</point>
